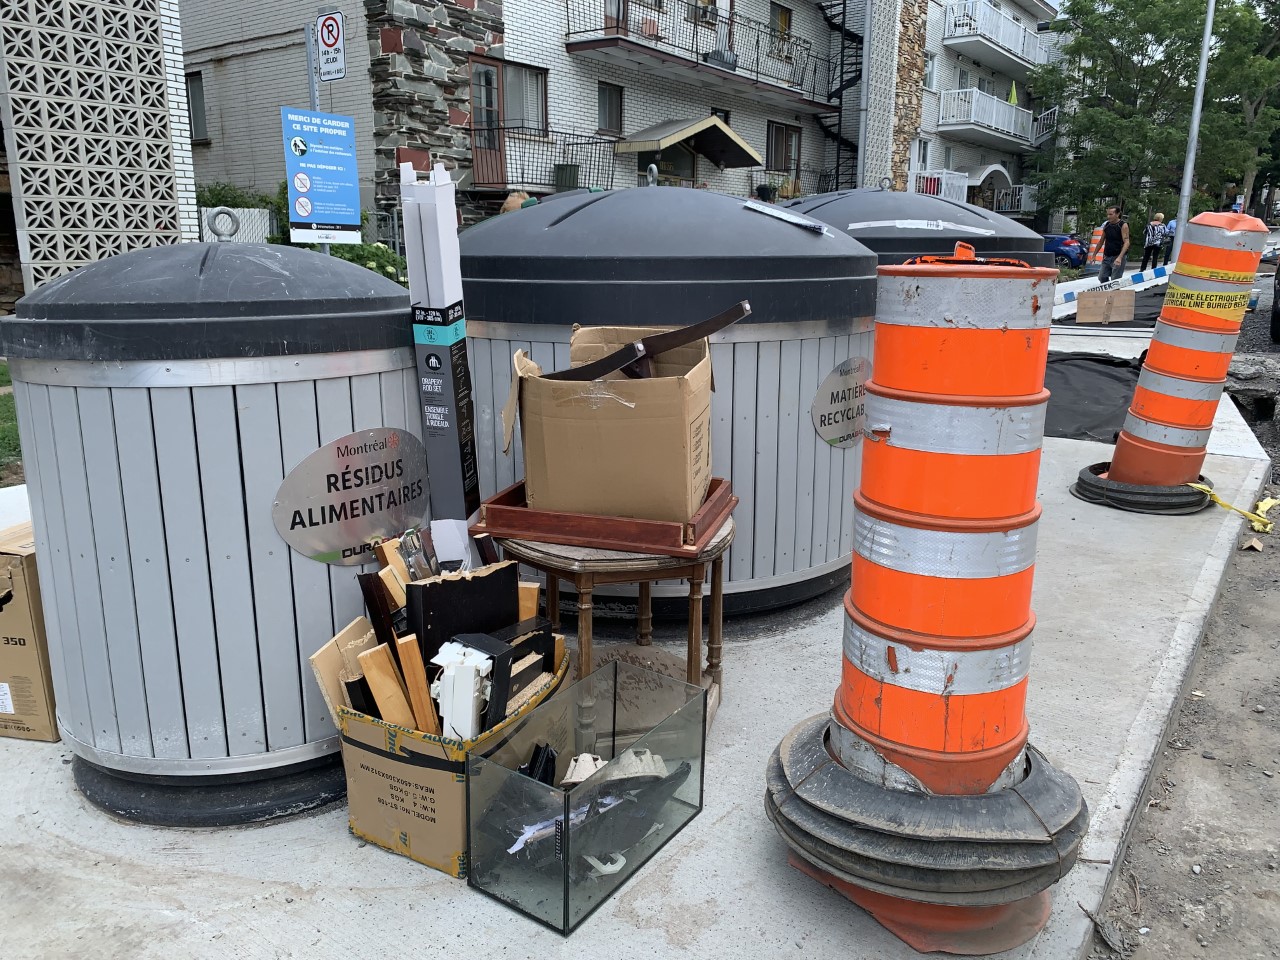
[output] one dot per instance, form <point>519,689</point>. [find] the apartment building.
<point>977,125</point>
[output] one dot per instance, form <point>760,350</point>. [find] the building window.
<point>705,12</point>
<point>195,108</point>
<point>783,149</point>
<point>948,157</point>
<point>486,105</point>
<point>962,81</point>
<point>779,18</point>
<point>922,154</point>
<point>524,98</point>
<point>609,107</point>
<point>930,71</point>
<point>723,115</point>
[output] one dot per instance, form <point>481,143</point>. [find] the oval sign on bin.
<point>359,489</point>
<point>839,409</point>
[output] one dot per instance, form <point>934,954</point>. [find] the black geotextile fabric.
<point>1089,395</point>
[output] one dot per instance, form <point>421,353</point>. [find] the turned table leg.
<point>693,663</point>
<point>585,585</point>
<point>553,600</point>
<point>715,631</point>
<point>644,614</point>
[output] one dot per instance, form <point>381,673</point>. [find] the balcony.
<point>802,182</point>
<point>976,29</point>
<point>947,184</point>
<point>980,118</point>
<point>700,44</point>
<point>537,160</point>
<point>1016,201</point>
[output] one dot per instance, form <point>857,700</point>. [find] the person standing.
<point>1152,242</point>
<point>1114,243</point>
<point>1170,229</point>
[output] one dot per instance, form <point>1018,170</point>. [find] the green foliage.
<point>377,257</point>
<point>10,448</point>
<point>229,195</point>
<point>5,379</point>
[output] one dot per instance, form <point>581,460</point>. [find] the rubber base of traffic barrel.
<point>1176,500</point>
<point>218,801</point>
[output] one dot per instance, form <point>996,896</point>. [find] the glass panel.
<point>485,111</point>
<point>609,102</point>
<point>522,98</point>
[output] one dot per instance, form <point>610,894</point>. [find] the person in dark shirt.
<point>1115,244</point>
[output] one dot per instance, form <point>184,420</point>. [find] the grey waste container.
<point>671,256</point>
<point>897,226</point>
<point>162,397</point>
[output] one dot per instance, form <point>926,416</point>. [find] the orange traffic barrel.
<point>1095,246</point>
<point>1166,432</point>
<point>937,630</point>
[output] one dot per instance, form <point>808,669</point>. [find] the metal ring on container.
<point>963,672</point>
<point>944,428</point>
<point>1188,339</point>
<point>944,553</point>
<point>1171,386</point>
<point>971,303</point>
<point>1163,433</point>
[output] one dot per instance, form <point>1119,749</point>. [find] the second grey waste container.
<point>163,395</point>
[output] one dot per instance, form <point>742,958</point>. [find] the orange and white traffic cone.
<point>1163,444</point>
<point>898,798</point>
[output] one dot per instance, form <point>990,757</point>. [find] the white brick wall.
<point>253,60</point>
<point>535,38</point>
<point>179,119</point>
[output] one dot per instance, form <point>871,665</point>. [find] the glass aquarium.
<point>592,784</point>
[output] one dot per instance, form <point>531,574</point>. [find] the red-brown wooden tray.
<point>506,515</point>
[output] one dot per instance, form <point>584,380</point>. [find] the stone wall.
<point>422,85</point>
<point>908,99</point>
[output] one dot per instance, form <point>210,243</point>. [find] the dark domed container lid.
<point>659,256</point>
<point>200,301</point>
<point>898,226</point>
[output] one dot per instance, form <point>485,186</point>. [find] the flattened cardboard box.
<point>618,447</point>
<point>1106,306</point>
<point>406,790</point>
<point>26,686</point>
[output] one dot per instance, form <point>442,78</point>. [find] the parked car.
<point>1275,308</point>
<point>1067,249</point>
<point>1271,252</point>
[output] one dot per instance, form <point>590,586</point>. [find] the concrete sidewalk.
<point>1121,601</point>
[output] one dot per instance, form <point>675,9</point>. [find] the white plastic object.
<point>461,689</point>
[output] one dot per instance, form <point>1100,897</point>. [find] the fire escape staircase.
<point>848,73</point>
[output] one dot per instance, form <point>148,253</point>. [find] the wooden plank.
<point>388,554</point>
<point>351,641</point>
<point>415,679</point>
<point>766,483</point>
<point>393,584</point>
<point>387,687</point>
<point>841,502</point>
<point>529,590</point>
<point>806,438</point>
<point>262,470</point>
<point>54,564</point>
<point>822,469</point>
<point>743,475</point>
<point>174,422</point>
<point>313,609</point>
<point>792,418</point>
<point>229,575</point>
<point>115,576</point>
<point>149,569</point>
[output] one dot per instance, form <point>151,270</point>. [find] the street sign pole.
<point>314,85</point>
<point>1193,137</point>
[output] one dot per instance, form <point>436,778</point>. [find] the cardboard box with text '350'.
<point>407,790</point>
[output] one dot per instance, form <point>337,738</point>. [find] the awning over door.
<point>709,136</point>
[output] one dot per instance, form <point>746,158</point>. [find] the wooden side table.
<point>587,568</point>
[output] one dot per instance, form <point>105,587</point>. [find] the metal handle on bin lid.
<point>211,219</point>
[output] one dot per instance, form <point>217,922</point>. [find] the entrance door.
<point>487,150</point>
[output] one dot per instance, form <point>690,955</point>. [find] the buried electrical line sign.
<point>359,489</point>
<point>839,408</point>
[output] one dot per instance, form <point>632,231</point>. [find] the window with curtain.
<point>524,98</point>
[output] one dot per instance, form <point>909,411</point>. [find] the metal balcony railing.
<point>703,33</point>
<point>1020,198</point>
<point>981,109</point>
<point>800,182</point>
<point>947,184</point>
<point>518,156</point>
<point>980,18</point>
<point>1045,126</point>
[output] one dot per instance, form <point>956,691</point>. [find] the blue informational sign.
<point>324,186</point>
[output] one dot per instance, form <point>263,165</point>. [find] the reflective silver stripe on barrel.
<point>1205,235</point>
<point>936,671</point>
<point>1169,436</point>
<point>1178,387</point>
<point>1195,339</point>
<point>965,304</point>
<point>942,428</point>
<point>944,553</point>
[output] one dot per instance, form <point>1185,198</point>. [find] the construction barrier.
<point>929,730</point>
<point>1166,432</point>
<point>1095,246</point>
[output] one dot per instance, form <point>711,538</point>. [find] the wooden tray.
<point>506,515</point>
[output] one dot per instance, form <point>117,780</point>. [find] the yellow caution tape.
<point>1213,273</point>
<point>1220,304</point>
<point>1259,520</point>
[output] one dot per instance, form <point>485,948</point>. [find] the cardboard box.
<point>407,791</point>
<point>26,687</point>
<point>1105,306</point>
<point>618,447</point>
